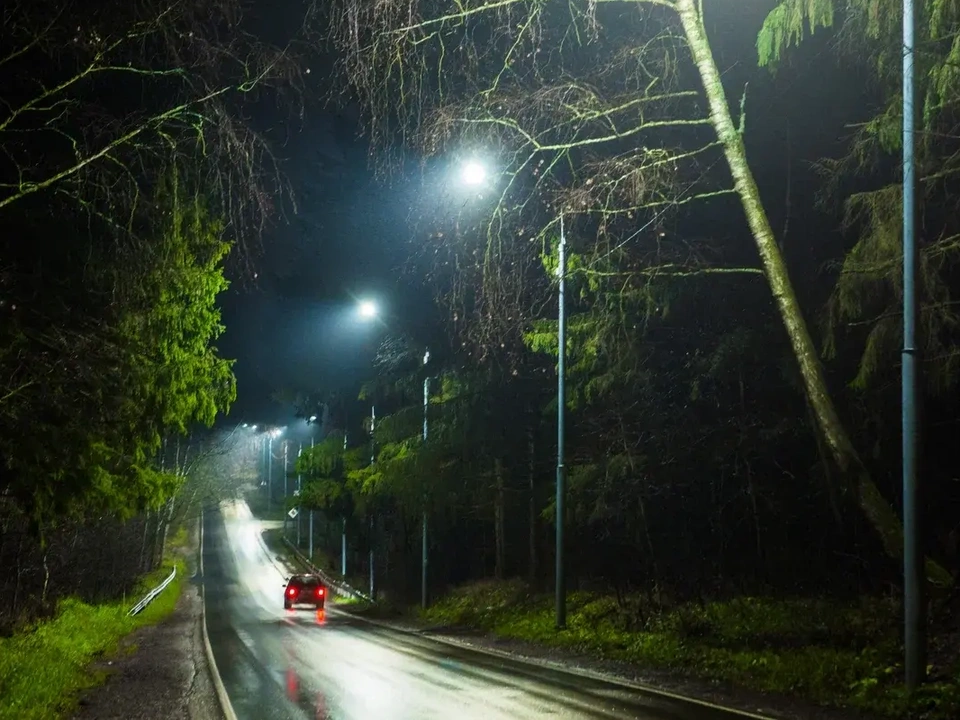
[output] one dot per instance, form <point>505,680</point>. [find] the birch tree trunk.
<point>877,510</point>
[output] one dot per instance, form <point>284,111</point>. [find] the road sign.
<point>293,513</point>
<point>296,493</point>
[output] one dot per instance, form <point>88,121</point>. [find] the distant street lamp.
<point>285,446</point>
<point>299,489</point>
<point>276,432</point>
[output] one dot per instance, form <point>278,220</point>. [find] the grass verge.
<point>823,651</point>
<point>45,667</point>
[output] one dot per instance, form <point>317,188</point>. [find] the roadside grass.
<point>45,667</point>
<point>827,652</point>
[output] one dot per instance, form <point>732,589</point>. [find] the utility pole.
<point>285,493</point>
<point>914,614</point>
<point>343,530</point>
<point>423,558</point>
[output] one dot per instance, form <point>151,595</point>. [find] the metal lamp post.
<point>913,596</point>
<point>560,599</point>
<point>299,488</point>
<point>423,557</point>
<point>373,422</point>
<point>310,524</point>
<point>270,472</point>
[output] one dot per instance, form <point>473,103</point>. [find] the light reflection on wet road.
<point>278,664</point>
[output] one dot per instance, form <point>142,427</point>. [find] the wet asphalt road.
<point>279,664</point>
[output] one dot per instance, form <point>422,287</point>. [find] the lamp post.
<point>310,528</point>
<point>423,556</point>
<point>473,173</point>
<point>367,310</point>
<point>299,487</point>
<point>914,615</point>
<point>285,493</point>
<point>373,422</point>
<point>270,472</point>
<point>560,599</point>
<point>276,432</point>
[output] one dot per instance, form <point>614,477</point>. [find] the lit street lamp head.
<point>473,173</point>
<point>368,309</point>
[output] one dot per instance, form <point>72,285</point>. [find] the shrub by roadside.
<point>44,667</point>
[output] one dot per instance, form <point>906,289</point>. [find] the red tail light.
<point>291,591</point>
<point>319,592</point>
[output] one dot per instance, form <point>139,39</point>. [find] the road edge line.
<point>226,707</point>
<point>575,672</point>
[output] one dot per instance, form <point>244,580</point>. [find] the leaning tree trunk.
<point>877,510</point>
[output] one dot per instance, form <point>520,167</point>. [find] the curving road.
<point>277,664</point>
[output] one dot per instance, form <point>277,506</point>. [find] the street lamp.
<point>560,599</point>
<point>914,612</point>
<point>276,432</point>
<point>367,309</point>
<point>423,558</point>
<point>473,173</point>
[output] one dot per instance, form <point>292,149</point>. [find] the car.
<point>304,590</point>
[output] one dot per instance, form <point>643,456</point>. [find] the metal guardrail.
<point>339,587</point>
<point>149,597</point>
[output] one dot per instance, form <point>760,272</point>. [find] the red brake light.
<point>291,591</point>
<point>319,592</point>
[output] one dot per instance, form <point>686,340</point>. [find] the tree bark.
<point>876,508</point>
<point>498,525</point>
